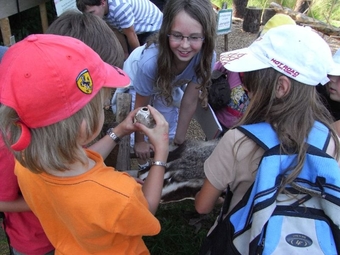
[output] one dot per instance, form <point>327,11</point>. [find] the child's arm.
<point>131,37</point>
<point>10,200</point>
<point>159,138</point>
<point>17,205</point>
<point>186,112</point>
<point>206,198</point>
<point>106,144</point>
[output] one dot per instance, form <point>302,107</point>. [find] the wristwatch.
<point>113,135</point>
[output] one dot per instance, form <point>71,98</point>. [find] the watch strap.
<point>159,163</point>
<point>113,136</point>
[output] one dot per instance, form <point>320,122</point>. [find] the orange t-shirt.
<point>102,211</point>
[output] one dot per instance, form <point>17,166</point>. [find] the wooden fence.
<point>11,7</point>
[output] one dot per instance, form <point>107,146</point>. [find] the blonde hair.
<point>55,146</point>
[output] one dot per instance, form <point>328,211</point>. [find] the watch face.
<point>113,135</point>
<point>109,131</point>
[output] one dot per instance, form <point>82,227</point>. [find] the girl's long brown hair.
<point>200,10</point>
<point>291,116</point>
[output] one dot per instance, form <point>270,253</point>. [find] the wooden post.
<point>252,20</point>
<point>5,31</point>
<point>9,8</point>
<point>43,16</point>
<point>123,109</point>
<point>226,42</point>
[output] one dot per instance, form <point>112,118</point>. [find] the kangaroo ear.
<point>283,86</point>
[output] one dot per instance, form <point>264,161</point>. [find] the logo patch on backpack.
<point>299,240</point>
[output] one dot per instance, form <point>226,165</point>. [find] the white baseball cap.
<point>336,67</point>
<point>296,51</point>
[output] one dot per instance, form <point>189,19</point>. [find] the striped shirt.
<point>142,14</point>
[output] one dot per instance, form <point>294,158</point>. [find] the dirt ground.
<point>236,39</point>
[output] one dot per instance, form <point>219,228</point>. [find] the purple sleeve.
<point>233,79</point>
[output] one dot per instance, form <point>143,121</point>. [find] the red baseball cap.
<point>48,78</point>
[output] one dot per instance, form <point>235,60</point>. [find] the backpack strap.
<point>261,133</point>
<point>319,136</point>
<point>265,136</point>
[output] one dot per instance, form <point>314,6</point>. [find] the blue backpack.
<point>304,221</point>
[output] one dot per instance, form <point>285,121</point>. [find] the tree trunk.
<point>302,5</point>
<point>252,20</point>
<point>239,8</point>
<point>267,14</point>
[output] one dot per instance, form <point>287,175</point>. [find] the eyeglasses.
<point>191,39</point>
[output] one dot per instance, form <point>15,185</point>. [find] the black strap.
<point>226,204</point>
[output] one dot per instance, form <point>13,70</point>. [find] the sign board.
<point>63,5</point>
<point>224,21</point>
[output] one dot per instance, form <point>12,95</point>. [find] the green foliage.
<point>183,229</point>
<point>4,249</point>
<point>265,3</point>
<point>324,10</point>
<point>286,3</point>
<point>327,11</point>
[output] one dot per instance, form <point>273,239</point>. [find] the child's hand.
<point>142,150</point>
<point>159,135</point>
<point>127,126</point>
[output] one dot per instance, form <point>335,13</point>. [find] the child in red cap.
<point>52,93</point>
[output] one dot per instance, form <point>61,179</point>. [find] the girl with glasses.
<point>174,70</point>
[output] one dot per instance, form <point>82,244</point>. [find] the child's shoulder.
<point>149,55</point>
<point>112,180</point>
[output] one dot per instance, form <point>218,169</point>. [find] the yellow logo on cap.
<point>84,82</point>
